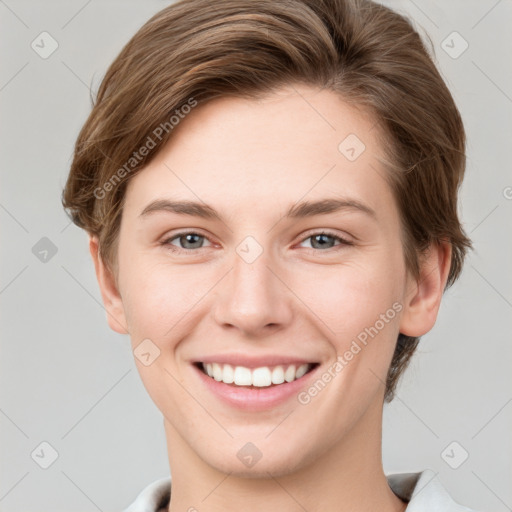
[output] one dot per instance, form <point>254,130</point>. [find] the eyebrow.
<point>297,211</point>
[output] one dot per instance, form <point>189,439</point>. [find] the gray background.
<point>67,380</point>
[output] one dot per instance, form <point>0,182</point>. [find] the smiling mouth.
<point>264,376</point>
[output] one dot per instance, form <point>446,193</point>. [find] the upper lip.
<point>255,361</point>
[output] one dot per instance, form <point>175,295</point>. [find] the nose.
<point>253,298</point>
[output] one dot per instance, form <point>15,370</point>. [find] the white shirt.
<point>422,491</point>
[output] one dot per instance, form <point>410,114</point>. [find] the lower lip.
<point>255,399</point>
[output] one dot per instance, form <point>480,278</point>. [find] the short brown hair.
<point>196,50</point>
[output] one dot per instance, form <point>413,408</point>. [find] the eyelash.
<point>166,243</point>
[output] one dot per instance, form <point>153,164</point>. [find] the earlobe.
<point>423,297</point>
<point>111,298</point>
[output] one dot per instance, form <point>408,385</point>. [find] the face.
<point>292,257</point>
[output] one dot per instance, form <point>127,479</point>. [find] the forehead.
<point>296,143</point>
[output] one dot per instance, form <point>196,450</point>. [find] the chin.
<point>264,464</point>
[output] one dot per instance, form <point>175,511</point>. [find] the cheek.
<point>161,305</point>
<point>349,298</point>
<point>159,298</point>
<point>359,308</point>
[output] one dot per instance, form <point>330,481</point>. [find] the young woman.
<point>270,190</point>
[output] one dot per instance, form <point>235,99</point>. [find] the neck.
<point>348,477</point>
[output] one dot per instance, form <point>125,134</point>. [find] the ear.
<point>109,292</point>
<point>424,294</point>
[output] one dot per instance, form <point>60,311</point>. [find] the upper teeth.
<point>260,377</point>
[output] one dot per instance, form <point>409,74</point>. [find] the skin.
<point>251,160</point>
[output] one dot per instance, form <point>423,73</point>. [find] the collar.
<point>422,491</point>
